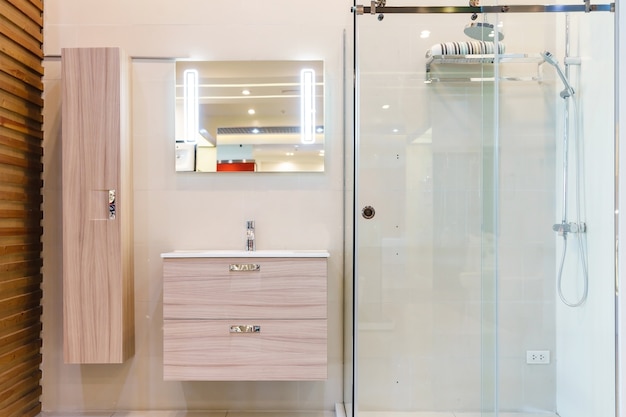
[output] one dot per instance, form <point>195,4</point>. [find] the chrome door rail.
<point>555,8</point>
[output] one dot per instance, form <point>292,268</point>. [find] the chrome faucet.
<point>250,243</point>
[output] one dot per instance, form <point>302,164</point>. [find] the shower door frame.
<point>380,8</point>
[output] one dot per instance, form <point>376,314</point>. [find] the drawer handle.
<point>245,328</point>
<point>244,267</point>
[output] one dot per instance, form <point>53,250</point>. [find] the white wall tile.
<point>182,211</point>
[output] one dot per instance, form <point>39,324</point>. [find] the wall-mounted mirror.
<point>261,116</point>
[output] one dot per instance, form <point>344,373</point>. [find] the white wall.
<point>585,335</point>
<point>195,211</point>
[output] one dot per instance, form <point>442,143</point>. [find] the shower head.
<point>482,31</point>
<point>549,58</point>
<point>568,90</point>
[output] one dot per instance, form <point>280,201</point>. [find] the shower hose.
<point>580,231</point>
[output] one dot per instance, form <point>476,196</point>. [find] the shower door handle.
<point>368,212</point>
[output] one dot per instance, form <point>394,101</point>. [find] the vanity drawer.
<point>208,350</point>
<point>210,289</point>
<point>203,267</point>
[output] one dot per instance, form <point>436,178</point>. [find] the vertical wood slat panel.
<point>21,70</point>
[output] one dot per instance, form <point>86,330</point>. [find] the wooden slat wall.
<point>21,71</point>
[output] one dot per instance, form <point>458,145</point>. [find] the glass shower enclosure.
<point>483,234</point>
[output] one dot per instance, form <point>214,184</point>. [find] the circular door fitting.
<point>368,212</point>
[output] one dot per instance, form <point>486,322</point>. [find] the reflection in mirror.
<point>262,116</point>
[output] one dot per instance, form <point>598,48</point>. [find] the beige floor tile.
<point>77,414</point>
<point>405,414</point>
<point>153,413</point>
<point>170,414</point>
<point>281,414</point>
<point>445,414</point>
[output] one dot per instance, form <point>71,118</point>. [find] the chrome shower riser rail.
<point>556,8</point>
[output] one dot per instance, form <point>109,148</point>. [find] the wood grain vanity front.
<point>267,322</point>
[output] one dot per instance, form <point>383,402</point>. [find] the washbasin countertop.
<point>278,253</point>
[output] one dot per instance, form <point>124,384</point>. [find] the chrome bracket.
<point>374,4</point>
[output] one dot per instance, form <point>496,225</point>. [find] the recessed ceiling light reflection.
<point>255,130</point>
<point>395,130</point>
<point>386,106</point>
<point>425,34</point>
<point>246,92</point>
<point>251,111</point>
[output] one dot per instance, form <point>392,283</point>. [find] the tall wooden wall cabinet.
<point>97,206</point>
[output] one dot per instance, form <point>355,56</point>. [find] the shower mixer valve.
<point>564,228</point>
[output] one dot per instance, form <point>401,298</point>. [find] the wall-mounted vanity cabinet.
<point>245,316</point>
<point>97,210</point>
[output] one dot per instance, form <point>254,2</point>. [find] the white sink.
<point>278,253</point>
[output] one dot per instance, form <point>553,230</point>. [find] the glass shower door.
<point>424,227</point>
<point>458,178</point>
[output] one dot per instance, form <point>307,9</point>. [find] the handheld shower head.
<point>549,58</point>
<point>568,90</point>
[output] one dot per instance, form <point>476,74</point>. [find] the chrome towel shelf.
<point>481,59</point>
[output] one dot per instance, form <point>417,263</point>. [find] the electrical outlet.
<point>537,357</point>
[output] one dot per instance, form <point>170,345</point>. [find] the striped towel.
<point>464,48</point>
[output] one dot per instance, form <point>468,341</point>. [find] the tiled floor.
<point>448,414</point>
<point>191,414</point>
<point>280,414</point>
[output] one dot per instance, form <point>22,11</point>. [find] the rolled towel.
<point>464,48</point>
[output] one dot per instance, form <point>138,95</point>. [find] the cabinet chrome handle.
<point>244,267</point>
<point>245,328</point>
<point>112,205</point>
